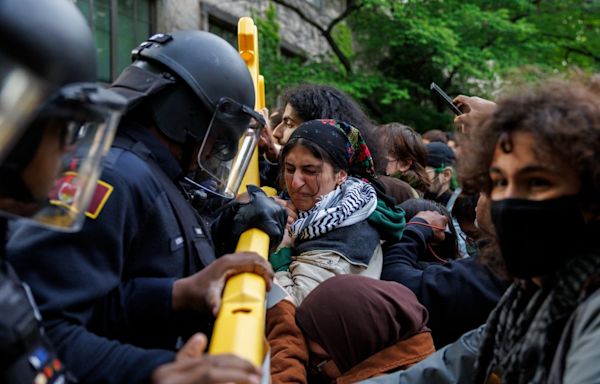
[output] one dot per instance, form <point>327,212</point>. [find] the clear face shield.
<point>21,94</point>
<point>222,161</point>
<point>75,131</point>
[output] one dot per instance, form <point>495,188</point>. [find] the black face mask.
<point>538,237</point>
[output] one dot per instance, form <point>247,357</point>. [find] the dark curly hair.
<point>564,118</point>
<point>314,101</point>
<point>404,143</point>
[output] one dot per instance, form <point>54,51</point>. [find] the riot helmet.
<point>55,122</point>
<point>201,95</point>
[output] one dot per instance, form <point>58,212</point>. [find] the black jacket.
<point>105,292</point>
<point>459,294</point>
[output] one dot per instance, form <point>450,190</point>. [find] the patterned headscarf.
<point>342,142</point>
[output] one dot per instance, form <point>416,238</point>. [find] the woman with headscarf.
<point>371,327</point>
<point>325,165</point>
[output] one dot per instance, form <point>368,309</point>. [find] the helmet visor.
<point>21,93</point>
<point>78,127</point>
<point>222,165</point>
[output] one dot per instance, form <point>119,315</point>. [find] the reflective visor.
<point>222,165</point>
<point>21,94</point>
<point>76,131</point>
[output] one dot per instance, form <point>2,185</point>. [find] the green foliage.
<point>343,36</point>
<point>466,46</point>
<point>283,72</point>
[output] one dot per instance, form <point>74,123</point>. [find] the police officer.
<point>120,295</point>
<point>49,109</point>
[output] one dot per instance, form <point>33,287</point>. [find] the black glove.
<point>260,212</point>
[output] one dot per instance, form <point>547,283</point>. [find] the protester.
<point>397,189</point>
<point>141,274</point>
<point>323,164</point>
<point>459,294</point>
<point>536,156</point>
<point>474,109</point>
<point>435,135</point>
<point>406,156</point>
<point>269,150</point>
<point>453,143</point>
<point>312,101</point>
<point>464,222</point>
<point>439,249</point>
<point>440,163</point>
<point>378,328</point>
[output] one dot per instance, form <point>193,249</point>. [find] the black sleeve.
<point>72,275</point>
<point>459,294</point>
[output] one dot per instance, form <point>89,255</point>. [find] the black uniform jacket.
<point>105,292</point>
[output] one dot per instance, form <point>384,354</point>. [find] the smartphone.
<point>445,98</point>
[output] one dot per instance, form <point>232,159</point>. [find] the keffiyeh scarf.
<point>524,330</point>
<point>351,202</point>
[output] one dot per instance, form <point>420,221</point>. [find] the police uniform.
<point>26,356</point>
<point>105,292</point>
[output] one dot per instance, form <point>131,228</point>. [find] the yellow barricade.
<point>240,324</point>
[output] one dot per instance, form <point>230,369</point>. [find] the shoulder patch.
<point>99,198</point>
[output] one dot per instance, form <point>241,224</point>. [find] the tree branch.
<point>351,6</point>
<point>583,52</point>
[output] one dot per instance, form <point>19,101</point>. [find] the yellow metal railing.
<point>240,324</point>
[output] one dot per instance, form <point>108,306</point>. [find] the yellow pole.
<point>240,325</point>
<point>248,47</point>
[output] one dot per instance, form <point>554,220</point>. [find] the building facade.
<point>120,25</point>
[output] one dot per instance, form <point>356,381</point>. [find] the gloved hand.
<point>260,212</point>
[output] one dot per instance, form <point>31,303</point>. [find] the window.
<point>223,29</point>
<point>119,26</point>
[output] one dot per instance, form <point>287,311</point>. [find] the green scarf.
<point>389,221</point>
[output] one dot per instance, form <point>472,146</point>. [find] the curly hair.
<point>314,101</point>
<point>564,118</point>
<point>404,143</point>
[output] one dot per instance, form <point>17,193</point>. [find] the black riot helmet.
<point>46,45</point>
<point>200,93</point>
<point>55,122</point>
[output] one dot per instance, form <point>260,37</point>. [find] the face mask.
<point>538,237</point>
<point>436,185</point>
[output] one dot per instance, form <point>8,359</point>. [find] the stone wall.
<point>177,14</point>
<point>298,36</point>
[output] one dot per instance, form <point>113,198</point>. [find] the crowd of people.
<point>449,257</point>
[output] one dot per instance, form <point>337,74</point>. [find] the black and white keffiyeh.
<point>351,202</point>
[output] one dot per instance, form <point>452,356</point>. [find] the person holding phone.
<point>536,158</point>
<point>473,109</point>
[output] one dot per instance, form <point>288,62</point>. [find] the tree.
<point>386,52</point>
